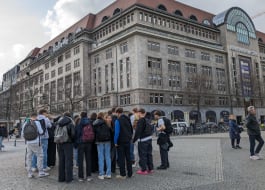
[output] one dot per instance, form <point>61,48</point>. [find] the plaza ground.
<point>196,162</point>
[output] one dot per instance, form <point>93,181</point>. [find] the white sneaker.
<point>46,169</point>
<point>100,177</point>
<point>260,157</point>
<point>80,180</point>
<point>89,179</point>
<point>34,169</point>
<point>30,175</point>
<point>254,157</point>
<point>107,176</point>
<point>134,165</point>
<point>43,174</point>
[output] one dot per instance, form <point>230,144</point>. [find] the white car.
<point>180,128</point>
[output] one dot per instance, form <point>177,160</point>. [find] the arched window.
<point>162,7</point>
<point>104,18</point>
<point>116,11</point>
<point>178,13</point>
<point>242,33</point>
<point>193,17</point>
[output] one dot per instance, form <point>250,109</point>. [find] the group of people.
<point>101,141</point>
<point>253,130</point>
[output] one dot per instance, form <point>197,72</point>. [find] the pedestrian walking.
<point>254,133</point>
<point>64,137</point>
<point>30,131</point>
<point>143,134</point>
<point>234,132</point>
<point>122,139</point>
<point>84,137</point>
<point>3,134</point>
<point>103,138</point>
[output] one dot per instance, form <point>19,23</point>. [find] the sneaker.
<point>75,166</point>
<point>80,179</point>
<point>43,174</point>
<point>30,175</point>
<point>161,167</point>
<point>239,147</point>
<point>259,156</point>
<point>89,179</point>
<point>234,147</point>
<point>107,176</point>
<point>46,169</point>
<point>134,165</point>
<point>140,172</point>
<point>254,157</point>
<point>34,169</point>
<point>120,177</point>
<point>101,177</point>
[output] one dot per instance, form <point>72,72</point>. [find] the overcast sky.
<point>31,23</point>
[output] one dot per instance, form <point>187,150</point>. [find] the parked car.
<point>180,128</point>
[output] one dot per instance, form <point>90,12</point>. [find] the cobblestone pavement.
<point>196,162</point>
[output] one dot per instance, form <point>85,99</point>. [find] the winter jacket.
<point>3,132</point>
<point>79,129</point>
<point>123,130</point>
<point>69,123</point>
<point>234,131</point>
<point>252,125</point>
<point>141,130</point>
<point>98,127</point>
<point>47,125</point>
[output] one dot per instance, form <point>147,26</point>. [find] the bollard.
<point>15,142</point>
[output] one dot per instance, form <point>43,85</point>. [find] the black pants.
<point>94,158</point>
<point>124,154</point>
<point>145,155</point>
<point>164,155</point>
<point>233,141</point>
<point>65,152</point>
<point>113,158</point>
<point>84,150</point>
<point>51,152</point>
<point>252,142</point>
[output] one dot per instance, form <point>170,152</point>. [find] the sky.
<point>32,23</point>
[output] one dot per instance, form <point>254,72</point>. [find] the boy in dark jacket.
<point>144,134</point>
<point>234,132</point>
<point>122,140</point>
<point>254,133</point>
<point>65,150</point>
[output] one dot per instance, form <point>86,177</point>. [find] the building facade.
<point>158,55</point>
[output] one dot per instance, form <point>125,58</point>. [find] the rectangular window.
<point>108,53</point>
<point>60,89</point>
<point>173,66</point>
<point>106,78</point>
<point>105,102</point>
<point>53,74</point>
<point>96,59</point>
<point>76,50</point>
<point>67,54</point>
<point>60,58</point>
<point>112,76</point>
<point>60,70</point>
<point>128,72</point>
<point>77,84</point>
<point>76,63</point>
<point>219,59</point>
<point>173,50</point>
<point>124,47</point>
<point>191,68</point>
<point>153,46</point>
<point>47,65</point>
<point>99,80</point>
<point>52,62</point>
<point>67,67</point>
<point>68,86</point>
<point>190,53</point>
<point>223,101</point>
<point>205,56</point>
<point>93,104</point>
<point>47,76</point>
<point>206,71</point>
<point>156,98</point>
<point>125,99</point>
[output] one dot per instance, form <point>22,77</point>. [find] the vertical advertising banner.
<point>245,72</point>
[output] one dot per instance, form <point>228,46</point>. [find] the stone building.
<point>158,54</point>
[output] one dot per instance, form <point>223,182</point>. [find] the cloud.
<point>67,12</point>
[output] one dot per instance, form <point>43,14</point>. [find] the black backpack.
<point>30,131</point>
<point>43,126</point>
<point>103,133</point>
<point>148,127</point>
<point>169,128</point>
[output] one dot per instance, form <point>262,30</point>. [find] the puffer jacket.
<point>252,125</point>
<point>69,123</point>
<point>102,130</point>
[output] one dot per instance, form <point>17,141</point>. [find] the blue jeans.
<point>44,144</point>
<point>75,157</point>
<point>104,154</point>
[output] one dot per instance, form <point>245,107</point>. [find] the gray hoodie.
<point>47,124</point>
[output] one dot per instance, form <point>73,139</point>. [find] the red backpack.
<point>88,134</point>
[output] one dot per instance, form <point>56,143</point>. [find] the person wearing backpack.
<point>143,134</point>
<point>30,131</point>
<point>122,139</point>
<point>162,140</point>
<point>84,139</point>
<point>103,138</point>
<point>64,138</point>
<point>45,124</point>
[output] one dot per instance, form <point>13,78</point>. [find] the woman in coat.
<point>234,132</point>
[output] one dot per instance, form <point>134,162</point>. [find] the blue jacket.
<point>234,131</point>
<point>79,129</point>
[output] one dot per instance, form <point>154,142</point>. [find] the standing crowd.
<point>96,144</point>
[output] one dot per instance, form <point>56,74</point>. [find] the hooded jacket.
<point>252,125</point>
<point>101,129</point>
<point>79,129</point>
<point>68,122</point>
